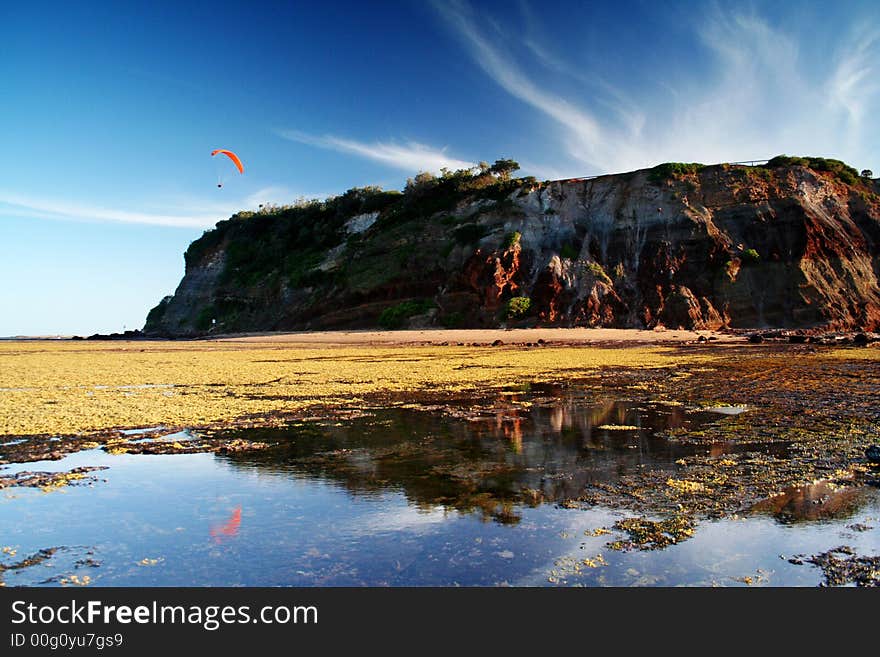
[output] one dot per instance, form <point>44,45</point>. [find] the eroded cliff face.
<point>729,246</point>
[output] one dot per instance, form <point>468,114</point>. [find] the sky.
<point>109,113</point>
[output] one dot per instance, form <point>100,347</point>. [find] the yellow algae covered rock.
<point>685,486</point>
<point>50,387</point>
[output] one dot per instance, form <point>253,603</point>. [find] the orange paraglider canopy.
<point>232,156</point>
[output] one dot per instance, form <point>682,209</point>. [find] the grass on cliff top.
<point>68,387</point>
<point>840,170</point>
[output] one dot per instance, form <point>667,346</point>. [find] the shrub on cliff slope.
<point>512,239</point>
<point>841,170</point>
<point>427,194</point>
<point>395,316</point>
<point>669,170</point>
<point>518,307</point>
<point>568,251</point>
<point>750,256</point>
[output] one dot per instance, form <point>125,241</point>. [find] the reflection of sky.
<point>401,519</point>
<point>722,550</point>
<point>305,531</point>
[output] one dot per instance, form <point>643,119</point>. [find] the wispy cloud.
<point>855,82</point>
<point>189,211</point>
<point>17,204</point>
<point>756,97</point>
<point>628,114</point>
<point>605,94</point>
<point>410,156</point>
<point>586,137</point>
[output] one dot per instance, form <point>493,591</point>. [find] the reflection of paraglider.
<point>232,156</point>
<point>229,528</point>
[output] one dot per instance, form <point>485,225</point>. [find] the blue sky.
<point>110,112</point>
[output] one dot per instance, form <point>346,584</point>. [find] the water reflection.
<point>519,451</point>
<point>229,528</point>
<point>819,501</point>
<point>462,494</point>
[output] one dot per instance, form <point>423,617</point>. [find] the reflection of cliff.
<point>815,502</point>
<point>488,463</point>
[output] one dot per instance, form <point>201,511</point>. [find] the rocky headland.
<point>791,244</point>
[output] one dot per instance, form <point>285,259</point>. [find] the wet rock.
<point>842,565</point>
<point>645,534</point>
<point>127,335</point>
<point>33,560</point>
<point>50,481</point>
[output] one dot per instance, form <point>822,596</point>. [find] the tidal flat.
<point>273,462</point>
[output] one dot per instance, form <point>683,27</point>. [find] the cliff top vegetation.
<point>316,225</point>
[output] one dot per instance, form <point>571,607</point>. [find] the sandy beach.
<point>557,336</point>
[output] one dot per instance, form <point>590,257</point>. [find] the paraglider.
<point>232,156</point>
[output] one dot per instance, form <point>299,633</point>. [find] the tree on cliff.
<point>504,168</point>
<point>421,183</point>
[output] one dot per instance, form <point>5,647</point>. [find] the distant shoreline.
<point>556,336</point>
<point>537,337</point>
<point>566,336</point>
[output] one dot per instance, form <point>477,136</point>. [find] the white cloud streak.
<point>580,123</point>
<point>192,212</point>
<point>854,82</point>
<point>19,205</point>
<point>411,156</point>
<point>760,98</point>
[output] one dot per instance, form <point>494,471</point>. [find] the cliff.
<point>793,243</point>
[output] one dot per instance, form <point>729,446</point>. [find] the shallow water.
<point>410,497</point>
